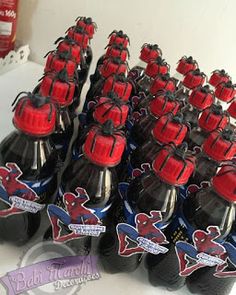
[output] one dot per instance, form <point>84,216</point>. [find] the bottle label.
<point>73,220</point>
<point>20,195</point>
<point>142,232</point>
<point>204,251</point>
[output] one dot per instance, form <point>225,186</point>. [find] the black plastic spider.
<point>37,101</point>
<point>119,47</point>
<point>87,21</point>
<point>152,47</point>
<point>181,153</point>
<point>229,84</point>
<point>107,129</point>
<point>206,90</point>
<point>222,73</point>
<point>120,34</point>
<point>189,60</point>
<point>228,135</point>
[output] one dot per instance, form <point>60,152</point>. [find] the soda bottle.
<point>217,149</point>
<point>168,129</point>
<point>211,118</point>
<point>107,108</point>
<point>151,199</point>
<point>192,79</point>
<point>200,98</point>
<point>88,188</point>
<point>162,104</point>
<point>148,52</point>
<point>205,215</point>
<point>113,50</point>
<point>117,84</point>
<point>160,83</point>
<point>61,90</point>
<point>154,67</point>
<point>212,211</point>
<point>110,66</point>
<point>232,113</point>
<point>28,172</point>
<point>217,77</point>
<point>225,93</point>
<point>185,65</point>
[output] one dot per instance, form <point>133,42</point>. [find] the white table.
<point>25,78</point>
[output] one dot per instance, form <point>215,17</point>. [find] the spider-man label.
<point>18,195</point>
<point>76,220</point>
<point>205,251</point>
<point>145,236</point>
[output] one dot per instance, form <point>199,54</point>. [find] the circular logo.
<point>47,251</point>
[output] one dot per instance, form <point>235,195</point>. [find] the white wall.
<point>205,29</point>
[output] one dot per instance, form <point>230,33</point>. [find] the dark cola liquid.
<point>141,130</point>
<point>205,169</point>
<point>190,115</point>
<point>196,138</point>
<point>108,245</point>
<point>145,153</point>
<point>201,210</point>
<point>100,184</point>
<point>37,159</point>
<point>135,74</point>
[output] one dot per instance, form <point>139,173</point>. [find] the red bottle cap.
<point>202,97</point>
<point>113,66</point>
<point>162,82</point>
<point>66,44</point>
<point>218,77</point>
<point>118,84</point>
<point>149,52</point>
<point>220,145</point>
<point>186,64</point>
<point>174,165</point>
<point>58,61</point>
<point>225,91</point>
<point>226,175</point>
<point>213,118</point>
<point>194,79</point>
<point>34,115</point>
<point>58,87</point>
<point>156,67</point>
<point>117,50</point>
<point>118,37</point>
<point>232,109</point>
<point>164,103</point>
<point>104,146</point>
<point>79,35</point>
<point>170,129</point>
<point>111,108</point>
<point>87,24</point>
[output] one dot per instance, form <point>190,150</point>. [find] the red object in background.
<point>8,17</point>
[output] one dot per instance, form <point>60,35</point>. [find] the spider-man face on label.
<point>205,251</point>
<point>146,235</point>
<point>11,186</point>
<point>75,213</point>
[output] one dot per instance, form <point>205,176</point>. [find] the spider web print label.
<point>76,219</point>
<point>19,196</point>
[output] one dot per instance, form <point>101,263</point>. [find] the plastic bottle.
<point>110,67</point>
<point>168,129</point>
<point>154,68</point>
<point>88,188</point>
<point>148,52</point>
<point>152,199</point>
<point>211,118</point>
<point>205,215</point>
<point>62,90</point>
<point>217,149</point>
<point>200,99</point>
<point>162,104</point>
<point>28,169</point>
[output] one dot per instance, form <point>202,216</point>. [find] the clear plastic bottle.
<point>29,166</point>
